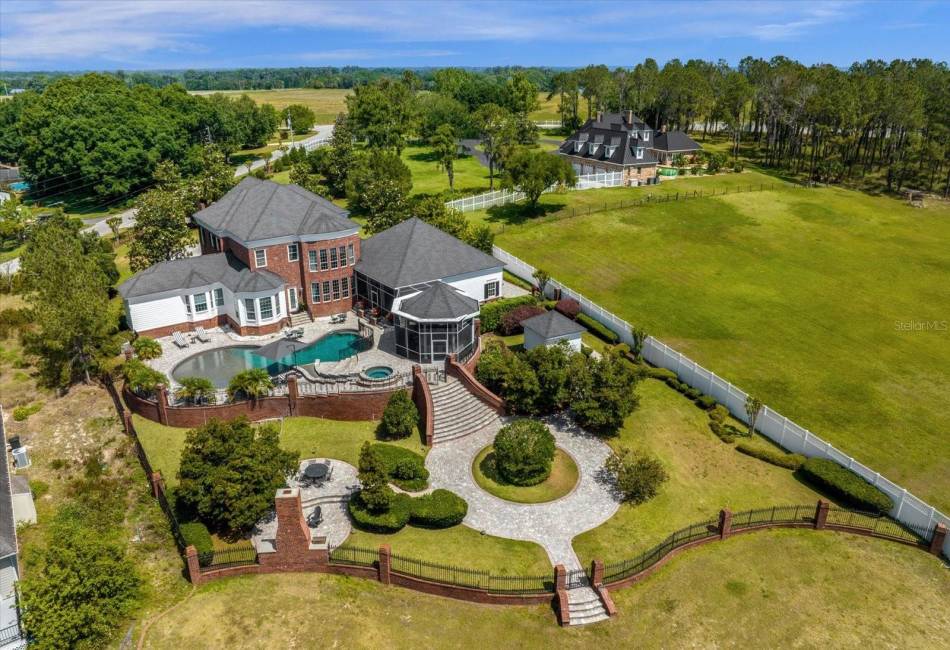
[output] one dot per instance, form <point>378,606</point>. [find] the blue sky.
<point>149,34</point>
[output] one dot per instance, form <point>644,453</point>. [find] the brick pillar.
<point>821,514</point>
<point>597,572</point>
<point>560,577</point>
<point>725,523</point>
<point>385,564</point>
<point>194,569</point>
<point>162,403</point>
<point>940,536</point>
<point>292,540</point>
<point>292,393</point>
<point>158,484</point>
<point>127,421</point>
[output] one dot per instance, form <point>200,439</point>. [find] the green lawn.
<point>312,437</point>
<point>769,589</point>
<point>429,178</point>
<point>705,475</point>
<point>796,295</point>
<point>562,480</point>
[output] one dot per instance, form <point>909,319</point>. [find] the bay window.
<point>267,308</point>
<point>201,302</point>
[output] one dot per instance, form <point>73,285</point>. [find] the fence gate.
<point>577,578</point>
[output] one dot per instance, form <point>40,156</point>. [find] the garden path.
<point>553,524</point>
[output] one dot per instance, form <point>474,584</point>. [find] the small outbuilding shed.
<point>549,328</point>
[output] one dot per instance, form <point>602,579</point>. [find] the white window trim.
<point>257,263</point>
<point>295,247</point>
<point>496,287</point>
<point>312,262</point>
<point>195,303</point>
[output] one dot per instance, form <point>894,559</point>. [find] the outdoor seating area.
<point>325,487</point>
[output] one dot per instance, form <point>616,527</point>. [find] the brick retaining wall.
<point>454,369</point>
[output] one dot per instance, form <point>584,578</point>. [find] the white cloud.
<point>85,30</point>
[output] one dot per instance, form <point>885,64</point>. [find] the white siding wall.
<point>473,284</point>
<point>160,312</point>
<point>532,340</point>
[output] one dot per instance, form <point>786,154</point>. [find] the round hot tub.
<point>377,373</point>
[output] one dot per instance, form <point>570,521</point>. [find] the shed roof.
<point>8,543</point>
<point>552,325</point>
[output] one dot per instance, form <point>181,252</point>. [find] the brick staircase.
<point>458,413</point>
<point>300,319</point>
<point>585,606</point>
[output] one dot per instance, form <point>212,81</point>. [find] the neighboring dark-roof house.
<point>413,252</point>
<point>256,210</point>
<point>439,302</point>
<point>552,324</point>
<point>675,142</point>
<point>201,271</point>
<point>8,541</point>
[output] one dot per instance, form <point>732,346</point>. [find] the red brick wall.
<point>422,397</point>
<point>460,372</point>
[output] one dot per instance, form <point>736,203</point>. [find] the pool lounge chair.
<point>179,339</point>
<point>202,335</point>
<point>338,318</point>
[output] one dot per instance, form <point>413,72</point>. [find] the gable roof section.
<point>675,141</point>
<point>439,302</point>
<point>551,325</point>
<point>8,542</point>
<point>600,134</point>
<point>413,252</point>
<point>254,210</point>
<point>194,272</point>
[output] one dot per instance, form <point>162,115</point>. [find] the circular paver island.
<point>559,483</point>
<point>552,524</point>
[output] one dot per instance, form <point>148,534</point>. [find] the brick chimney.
<point>600,116</point>
<point>663,129</point>
<point>629,118</point>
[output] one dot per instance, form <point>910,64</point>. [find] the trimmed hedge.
<point>841,482</point>
<point>725,432</point>
<point>398,460</point>
<point>663,374</point>
<point>391,521</point>
<point>706,402</point>
<point>773,456</point>
<point>438,509</point>
<point>597,329</point>
<point>491,313</point>
<point>568,307</point>
<point>196,534</point>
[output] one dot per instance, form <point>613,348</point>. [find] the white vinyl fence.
<point>908,509</point>
<point>548,124</point>
<point>503,197</point>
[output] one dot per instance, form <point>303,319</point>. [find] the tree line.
<point>825,123</point>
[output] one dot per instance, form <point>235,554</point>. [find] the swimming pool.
<point>220,364</point>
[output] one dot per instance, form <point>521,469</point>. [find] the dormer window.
<point>646,136</point>
<point>609,152</point>
<point>578,146</point>
<point>591,147</point>
<point>639,152</point>
<point>634,134</point>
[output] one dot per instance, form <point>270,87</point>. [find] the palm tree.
<point>251,383</point>
<point>752,407</point>
<point>196,390</point>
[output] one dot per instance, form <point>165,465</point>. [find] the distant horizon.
<point>60,36</point>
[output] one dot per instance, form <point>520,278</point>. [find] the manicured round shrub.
<point>146,348</point>
<point>524,451</point>
<point>569,307</point>
<point>400,416</point>
<point>439,509</point>
<point>706,402</point>
<point>389,521</point>
<point>511,322</point>
<point>844,484</point>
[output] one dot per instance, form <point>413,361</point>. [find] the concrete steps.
<point>300,319</point>
<point>585,606</point>
<point>458,413</point>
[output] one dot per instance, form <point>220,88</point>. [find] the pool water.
<point>220,364</point>
<point>378,372</point>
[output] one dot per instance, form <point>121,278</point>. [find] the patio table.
<point>316,471</point>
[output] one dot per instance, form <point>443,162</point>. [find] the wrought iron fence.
<point>354,556</point>
<point>775,515</point>
<point>470,578</point>
<point>578,578</point>
<point>619,570</point>
<point>10,633</point>
<point>231,557</point>
<point>879,525</point>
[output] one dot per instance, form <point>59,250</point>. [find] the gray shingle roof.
<point>675,141</point>
<point>414,252</point>
<point>623,154</point>
<point>551,325</point>
<point>439,301</point>
<point>256,209</point>
<point>8,544</point>
<point>194,272</point>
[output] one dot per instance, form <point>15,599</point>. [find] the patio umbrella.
<point>279,349</point>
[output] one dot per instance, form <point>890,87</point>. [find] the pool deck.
<point>381,354</point>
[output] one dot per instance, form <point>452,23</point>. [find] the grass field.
<point>326,103</point>
<point>705,475</point>
<point>769,589</point>
<point>429,178</point>
<point>829,304</point>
